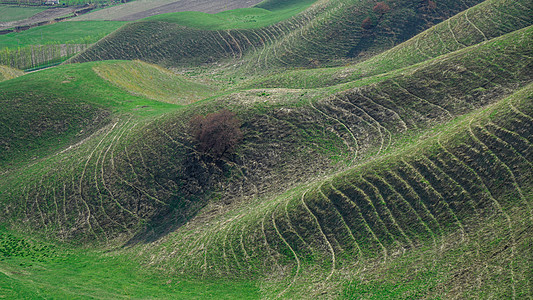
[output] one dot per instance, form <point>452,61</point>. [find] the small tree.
<point>367,24</point>
<point>216,133</point>
<point>381,8</point>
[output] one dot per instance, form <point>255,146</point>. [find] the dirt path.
<point>139,9</point>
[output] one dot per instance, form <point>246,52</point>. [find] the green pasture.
<point>243,18</point>
<point>82,32</point>
<point>10,13</point>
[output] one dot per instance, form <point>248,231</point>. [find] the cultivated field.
<point>139,9</point>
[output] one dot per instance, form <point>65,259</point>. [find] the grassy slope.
<point>153,82</point>
<point>327,32</point>
<point>7,73</point>
<point>60,33</point>
<point>131,175</point>
<point>483,22</point>
<point>59,106</point>
<point>154,160</point>
<point>433,210</point>
<point>10,13</point>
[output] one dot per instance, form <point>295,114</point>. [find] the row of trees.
<point>33,56</point>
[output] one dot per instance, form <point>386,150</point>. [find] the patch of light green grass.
<point>67,272</point>
<point>242,18</point>
<point>9,13</point>
<point>60,33</point>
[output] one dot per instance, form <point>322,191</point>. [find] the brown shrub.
<point>367,24</point>
<point>428,5</point>
<point>216,133</point>
<point>381,8</point>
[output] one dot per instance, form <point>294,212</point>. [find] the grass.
<point>60,33</point>
<point>413,183</point>
<point>153,82</point>
<point>326,33</point>
<point>243,18</point>
<point>70,99</point>
<point>10,13</point>
<point>62,272</point>
<point>438,40</point>
<point>7,73</point>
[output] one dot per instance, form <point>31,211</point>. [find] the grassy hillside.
<point>7,73</point>
<point>428,212</point>
<point>44,112</point>
<point>156,160</point>
<point>153,82</point>
<point>261,15</point>
<point>403,176</point>
<point>493,18</point>
<point>328,32</point>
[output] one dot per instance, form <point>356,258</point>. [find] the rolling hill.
<point>404,173</point>
<point>327,33</point>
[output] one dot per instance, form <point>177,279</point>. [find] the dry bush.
<point>216,133</point>
<point>367,24</point>
<point>381,8</point>
<point>428,5</point>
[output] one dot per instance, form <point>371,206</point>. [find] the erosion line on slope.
<point>293,252</point>
<point>499,207</point>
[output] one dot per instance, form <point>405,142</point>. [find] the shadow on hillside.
<point>199,180</point>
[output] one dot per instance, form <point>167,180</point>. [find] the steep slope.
<point>328,31</point>
<point>44,112</point>
<point>153,82</point>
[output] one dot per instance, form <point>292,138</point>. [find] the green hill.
<point>328,32</point>
<point>493,18</point>
<point>405,175</point>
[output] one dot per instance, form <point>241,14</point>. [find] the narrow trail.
<point>479,30</point>
<point>360,251</point>
<point>441,198</point>
<point>88,222</point>
<point>508,169</point>
<point>333,259</point>
<point>500,209</point>
<point>298,267</point>
<point>377,126</point>
<point>423,100</point>
<point>388,213</point>
<point>453,35</point>
<point>408,187</point>
<point>365,221</point>
<point>337,212</point>
<point>343,125</point>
